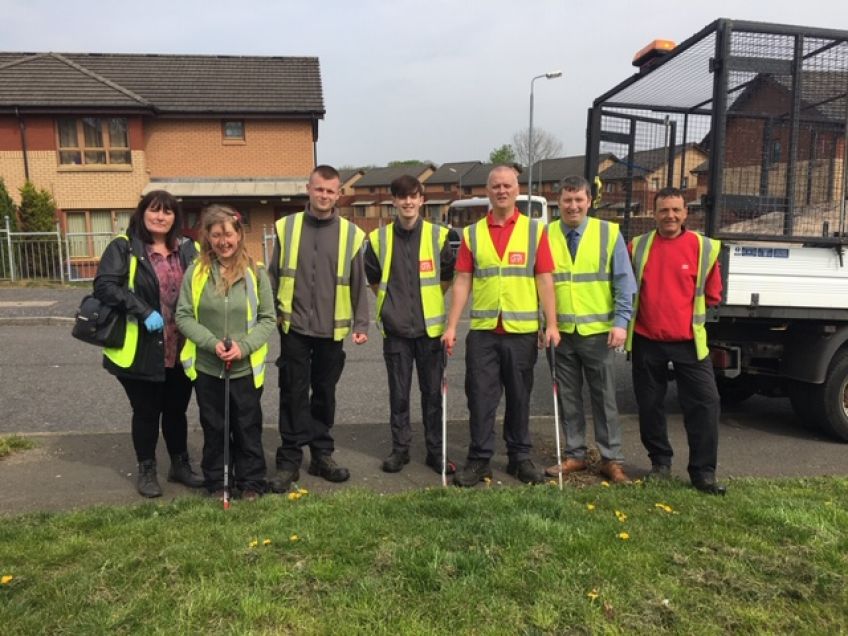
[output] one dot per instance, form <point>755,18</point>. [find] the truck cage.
<point>749,119</point>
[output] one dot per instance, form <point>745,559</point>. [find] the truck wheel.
<point>735,390</point>
<point>832,396</point>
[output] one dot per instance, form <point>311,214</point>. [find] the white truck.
<point>750,120</point>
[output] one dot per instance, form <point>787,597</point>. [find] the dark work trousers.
<point>154,401</point>
<point>247,459</point>
<point>309,369</point>
<point>495,363</point>
<point>426,353</point>
<point>696,392</point>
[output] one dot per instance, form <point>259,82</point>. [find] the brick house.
<point>547,174</point>
<point>370,204</point>
<point>98,130</point>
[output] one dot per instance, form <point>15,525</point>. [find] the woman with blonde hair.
<point>226,312</point>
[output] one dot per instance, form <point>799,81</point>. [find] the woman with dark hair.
<point>140,273</point>
<point>226,312</point>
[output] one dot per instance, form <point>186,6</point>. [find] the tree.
<point>406,162</point>
<point>7,208</point>
<point>545,145</point>
<point>37,210</point>
<point>504,154</point>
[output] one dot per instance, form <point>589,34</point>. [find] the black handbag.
<point>99,324</point>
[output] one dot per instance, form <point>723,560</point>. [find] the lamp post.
<point>458,174</point>
<point>551,75</point>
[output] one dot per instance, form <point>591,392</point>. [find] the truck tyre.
<point>736,390</point>
<point>832,397</point>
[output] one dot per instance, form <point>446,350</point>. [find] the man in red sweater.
<point>678,277</point>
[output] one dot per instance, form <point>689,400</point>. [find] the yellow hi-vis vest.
<point>124,355</point>
<point>708,251</point>
<point>433,239</point>
<point>584,299</point>
<point>504,286</point>
<point>188,355</point>
<point>350,241</point>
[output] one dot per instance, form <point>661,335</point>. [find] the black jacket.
<point>110,287</point>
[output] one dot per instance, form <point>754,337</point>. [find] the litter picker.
<point>228,343</point>
<point>552,360</point>
<point>444,414</point>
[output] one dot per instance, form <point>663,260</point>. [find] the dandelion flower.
<point>624,536</point>
<point>622,517</point>
<point>552,482</point>
<point>253,543</point>
<point>302,491</point>
<point>6,579</point>
<point>293,496</point>
<point>590,506</point>
<point>266,542</point>
<point>605,484</point>
<point>592,594</point>
<point>294,538</point>
<point>663,507</point>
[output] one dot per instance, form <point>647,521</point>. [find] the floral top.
<point>170,276</point>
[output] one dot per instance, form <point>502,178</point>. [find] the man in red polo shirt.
<point>678,277</point>
<point>505,259</point>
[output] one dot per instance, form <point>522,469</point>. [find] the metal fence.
<point>31,255</point>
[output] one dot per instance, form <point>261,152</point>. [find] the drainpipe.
<point>22,126</point>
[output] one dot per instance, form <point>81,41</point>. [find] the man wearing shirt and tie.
<point>594,287</point>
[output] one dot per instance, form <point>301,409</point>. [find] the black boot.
<point>148,485</point>
<point>182,473</point>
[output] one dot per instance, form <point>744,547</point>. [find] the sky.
<point>440,80</point>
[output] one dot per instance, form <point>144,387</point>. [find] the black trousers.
<point>309,369</point>
<point>698,396</point>
<point>495,363</point>
<point>247,459</point>
<point>153,402</point>
<point>426,354</point>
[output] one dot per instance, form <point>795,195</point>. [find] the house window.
<point>684,183</point>
<point>609,187</point>
<point>775,152</point>
<point>233,129</point>
<point>93,141</point>
<point>447,187</point>
<point>89,231</point>
<point>655,184</point>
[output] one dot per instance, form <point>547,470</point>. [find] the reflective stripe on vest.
<point>188,355</point>
<point>124,355</point>
<point>708,251</point>
<point>432,241</point>
<point>584,298</point>
<point>350,241</point>
<point>504,286</point>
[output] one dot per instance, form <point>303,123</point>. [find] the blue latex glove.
<point>154,322</point>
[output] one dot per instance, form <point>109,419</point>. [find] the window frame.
<point>108,148</point>
<point>88,233</point>
<point>227,139</point>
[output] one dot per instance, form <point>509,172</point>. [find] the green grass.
<point>771,557</point>
<point>14,443</point>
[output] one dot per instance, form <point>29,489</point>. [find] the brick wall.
<point>189,148</point>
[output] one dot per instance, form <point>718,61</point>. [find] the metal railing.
<point>31,255</point>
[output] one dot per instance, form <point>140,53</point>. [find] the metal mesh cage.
<point>748,119</point>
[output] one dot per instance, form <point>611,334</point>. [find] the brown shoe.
<point>614,472</point>
<point>568,466</point>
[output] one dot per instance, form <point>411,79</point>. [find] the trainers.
<point>182,473</point>
<point>659,472</point>
<point>614,472</point>
<point>524,470</point>
<point>282,481</point>
<point>395,462</point>
<point>325,466</point>
<point>147,484</point>
<point>475,471</point>
<point>570,465</point>
<point>709,485</point>
<point>435,462</point>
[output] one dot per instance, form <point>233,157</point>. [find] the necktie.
<point>572,243</point>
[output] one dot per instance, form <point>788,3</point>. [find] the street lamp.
<point>458,174</point>
<point>551,75</point>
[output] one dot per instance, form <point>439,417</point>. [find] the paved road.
<point>54,387</point>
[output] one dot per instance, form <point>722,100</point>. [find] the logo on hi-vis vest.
<point>517,258</point>
<point>425,266</point>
